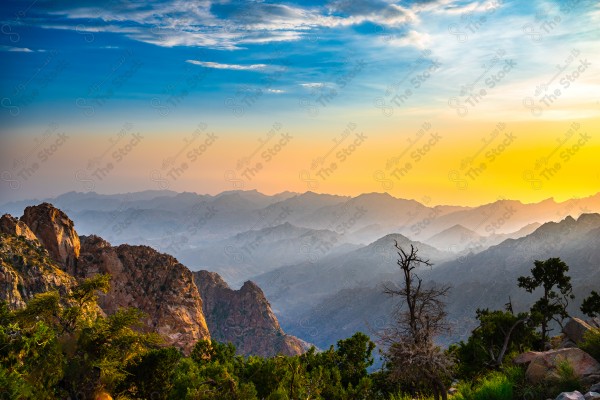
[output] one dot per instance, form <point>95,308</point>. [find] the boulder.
<point>575,329</point>
<point>12,226</point>
<point>567,343</point>
<point>595,388</point>
<point>525,358</point>
<point>592,396</point>
<point>56,233</point>
<point>544,366</point>
<point>570,396</point>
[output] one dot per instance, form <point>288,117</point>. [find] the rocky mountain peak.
<point>153,282</point>
<point>55,231</point>
<point>251,287</point>
<point>27,269</point>
<point>55,257</point>
<point>243,317</point>
<point>12,226</point>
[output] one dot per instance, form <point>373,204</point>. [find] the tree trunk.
<point>436,393</point>
<point>506,340</point>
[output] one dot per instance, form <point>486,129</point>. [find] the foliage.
<point>591,343</point>
<point>62,346</point>
<point>499,334</point>
<point>591,305</point>
<point>495,386</point>
<point>151,377</point>
<point>567,380</point>
<point>552,305</point>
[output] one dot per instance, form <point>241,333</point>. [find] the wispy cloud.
<point>412,38</point>
<point>236,67</point>
<point>312,85</point>
<point>16,49</point>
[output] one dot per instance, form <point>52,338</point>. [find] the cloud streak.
<point>235,67</point>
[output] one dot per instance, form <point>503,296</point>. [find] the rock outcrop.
<point>575,328</point>
<point>56,233</point>
<point>243,317</point>
<point>543,366</point>
<point>153,282</point>
<point>27,269</point>
<point>12,226</point>
<point>42,252</point>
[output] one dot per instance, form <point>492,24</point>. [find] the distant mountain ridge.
<point>487,279</point>
<point>202,230</point>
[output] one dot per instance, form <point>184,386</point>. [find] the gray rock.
<point>575,329</point>
<point>567,343</point>
<point>595,388</point>
<point>576,395</point>
<point>592,396</point>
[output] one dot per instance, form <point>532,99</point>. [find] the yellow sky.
<point>438,163</point>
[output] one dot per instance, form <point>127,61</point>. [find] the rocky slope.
<point>42,251</point>
<point>243,317</point>
<point>27,269</point>
<point>153,282</point>
<point>55,231</point>
<point>12,226</point>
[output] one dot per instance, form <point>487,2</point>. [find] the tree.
<point>411,355</point>
<point>354,356</point>
<point>591,305</point>
<point>499,333</point>
<point>553,305</point>
<point>152,376</point>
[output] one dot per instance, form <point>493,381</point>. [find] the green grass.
<point>568,381</point>
<point>401,396</point>
<point>495,386</point>
<point>591,343</point>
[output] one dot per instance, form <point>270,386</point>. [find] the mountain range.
<point>320,259</point>
<point>236,233</point>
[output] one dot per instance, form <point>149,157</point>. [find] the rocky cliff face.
<point>27,269</point>
<point>153,282</point>
<point>55,231</point>
<point>243,317</point>
<point>42,252</point>
<point>12,226</point>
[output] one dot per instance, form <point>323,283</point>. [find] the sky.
<point>444,101</point>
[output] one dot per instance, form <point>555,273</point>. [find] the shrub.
<point>495,386</point>
<point>567,381</point>
<point>591,343</point>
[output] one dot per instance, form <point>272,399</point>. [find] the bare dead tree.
<point>411,354</point>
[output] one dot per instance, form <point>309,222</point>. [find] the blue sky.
<point>241,65</point>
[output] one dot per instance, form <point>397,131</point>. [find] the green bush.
<point>591,343</point>
<point>495,386</point>
<point>567,381</point>
<point>404,396</point>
